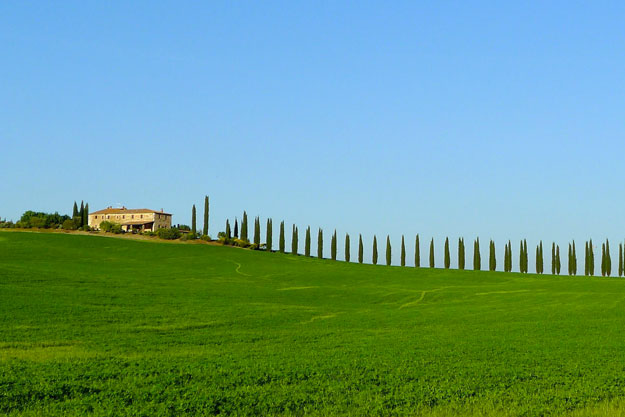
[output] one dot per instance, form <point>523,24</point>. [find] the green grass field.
<point>105,326</point>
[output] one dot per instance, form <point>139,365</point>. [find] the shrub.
<point>188,236</point>
<point>69,225</point>
<point>6,224</point>
<point>205,238</point>
<point>149,233</point>
<point>111,227</point>
<point>168,234</point>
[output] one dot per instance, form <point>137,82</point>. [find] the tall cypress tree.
<point>417,253</point>
<point>553,258</point>
<point>360,250</point>
<point>75,212</point>
<point>447,254</point>
<point>193,221</point>
<point>307,242</point>
<point>537,259</point>
<point>492,258</point>
<point>236,228</point>
<point>570,260</point>
<point>620,259</point>
<point>374,258</point>
<point>586,259</point>
<point>228,233</point>
<point>505,258</point>
<point>82,214</point>
<point>558,263</point>
<point>461,253</point>
<point>347,248</point>
<point>591,255</point>
<point>603,262</point>
<point>333,246</point>
<point>477,257</point>
<point>320,244</point>
<point>432,253</point>
<point>257,232</point>
<point>86,214</point>
<point>608,259</point>
<point>574,260</point>
<point>205,230</point>
<point>244,227</point>
<point>294,241</point>
<point>402,259</point>
<point>388,250</point>
<point>281,241</point>
<point>269,235</point>
<point>521,258</point>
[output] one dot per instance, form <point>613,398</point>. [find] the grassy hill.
<point>119,327</point>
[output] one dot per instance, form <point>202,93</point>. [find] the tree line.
<point>508,263</point>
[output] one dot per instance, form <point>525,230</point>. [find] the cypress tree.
<point>620,259</point>
<point>586,259</point>
<point>295,241</point>
<point>591,255</point>
<point>460,253</point>
<point>374,259</point>
<point>492,258</point>
<point>193,221</point>
<point>505,258</point>
<point>417,253</point>
<point>320,244</point>
<point>347,248</point>
<point>521,258</point>
<point>307,242</point>
<point>558,263</point>
<point>603,262</point>
<point>402,259</point>
<point>570,260</point>
<point>236,228</point>
<point>447,254</point>
<point>553,258</point>
<point>228,234</point>
<point>205,230</point>
<point>432,253</point>
<point>244,227</point>
<point>388,250</point>
<point>574,260</point>
<point>537,259</point>
<point>86,214</point>
<point>477,257</point>
<point>608,258</point>
<point>281,241</point>
<point>360,250</point>
<point>269,235</point>
<point>333,246</point>
<point>75,213</point>
<point>81,214</point>
<point>257,232</point>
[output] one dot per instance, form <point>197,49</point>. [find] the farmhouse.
<point>131,219</point>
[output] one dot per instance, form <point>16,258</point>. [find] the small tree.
<point>333,246</point>
<point>205,230</point>
<point>294,240</point>
<point>360,250</point>
<point>193,221</point>
<point>388,250</point>
<point>269,238</point>
<point>347,247</point>
<point>320,244</point>
<point>374,258</point>
<point>281,242</point>
<point>402,258</point>
<point>307,242</point>
<point>447,254</point>
<point>432,253</point>
<point>417,253</point>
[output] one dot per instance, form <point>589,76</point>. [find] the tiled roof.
<point>124,210</point>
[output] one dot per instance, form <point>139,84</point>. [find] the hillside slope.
<point>112,326</point>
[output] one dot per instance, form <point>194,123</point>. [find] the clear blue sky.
<point>494,119</point>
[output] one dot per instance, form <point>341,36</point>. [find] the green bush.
<point>169,234</point>
<point>205,238</point>
<point>6,224</point>
<point>188,236</point>
<point>149,233</point>
<point>111,227</point>
<point>69,225</point>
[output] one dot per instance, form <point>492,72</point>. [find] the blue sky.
<point>500,120</point>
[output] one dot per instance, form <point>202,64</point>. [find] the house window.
<point>96,217</point>
<point>132,216</point>
<point>108,217</point>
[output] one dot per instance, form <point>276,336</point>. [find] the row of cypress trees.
<point>523,260</point>
<point>206,218</point>
<point>80,216</point>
